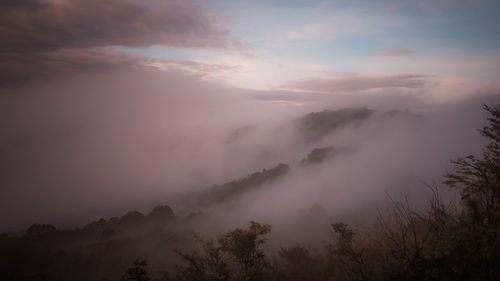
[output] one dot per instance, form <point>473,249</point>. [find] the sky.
<point>287,43</point>
<point>448,46</point>
<point>106,103</point>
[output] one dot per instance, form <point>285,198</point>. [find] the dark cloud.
<point>16,68</point>
<point>354,83</point>
<point>50,25</point>
<point>40,37</point>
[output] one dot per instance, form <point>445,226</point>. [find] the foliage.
<point>317,125</point>
<point>478,180</point>
<point>210,265</point>
<point>299,264</point>
<point>230,190</point>
<point>137,272</point>
<point>40,229</point>
<point>237,255</point>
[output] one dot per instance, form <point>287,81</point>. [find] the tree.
<point>40,229</point>
<point>236,255</point>
<point>137,272</point>
<point>209,265</point>
<point>346,262</point>
<point>478,179</point>
<point>245,248</point>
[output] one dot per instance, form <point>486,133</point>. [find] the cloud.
<point>164,129</point>
<point>394,6</point>
<point>51,25</point>
<point>16,68</point>
<point>40,37</point>
<point>192,67</point>
<point>103,143</point>
<point>447,3</point>
<point>356,83</point>
<point>397,6</point>
<point>391,52</point>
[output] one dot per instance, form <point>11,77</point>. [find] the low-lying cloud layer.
<point>99,144</point>
<point>109,105</point>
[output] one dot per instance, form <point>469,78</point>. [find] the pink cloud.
<point>393,52</point>
<point>394,6</point>
<point>198,68</point>
<point>356,83</point>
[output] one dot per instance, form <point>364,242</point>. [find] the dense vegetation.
<point>317,125</point>
<point>449,241</point>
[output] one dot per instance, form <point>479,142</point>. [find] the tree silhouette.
<point>237,255</point>
<point>479,182</point>
<point>137,272</point>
